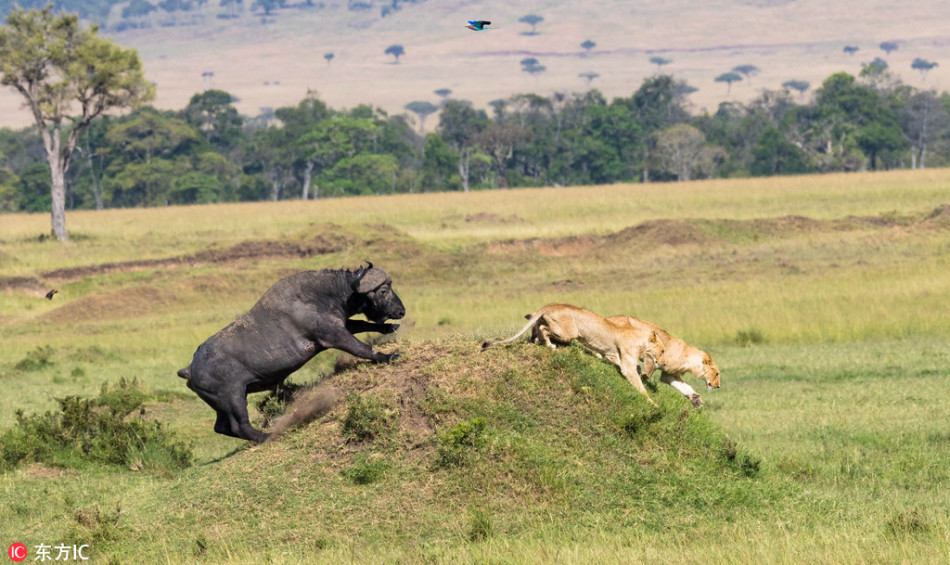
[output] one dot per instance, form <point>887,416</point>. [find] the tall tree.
<point>923,121</point>
<point>58,65</point>
<point>683,152</point>
<point>458,124</point>
<point>212,113</point>
<point>498,141</point>
<point>328,56</point>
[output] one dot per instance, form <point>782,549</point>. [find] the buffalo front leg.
<point>346,342</point>
<point>683,388</point>
<point>362,326</point>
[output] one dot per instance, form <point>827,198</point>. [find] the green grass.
<point>826,443</point>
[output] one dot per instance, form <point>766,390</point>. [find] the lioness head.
<point>710,372</point>
<point>655,349</point>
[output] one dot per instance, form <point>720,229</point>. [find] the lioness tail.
<point>532,318</point>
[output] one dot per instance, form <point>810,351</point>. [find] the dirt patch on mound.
<point>128,302</point>
<point>29,284</point>
<point>660,232</point>
<point>939,215</point>
<point>490,218</point>
<point>419,391</point>
<point>553,247</point>
<point>710,232</point>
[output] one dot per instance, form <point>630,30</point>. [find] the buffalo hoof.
<point>391,328</point>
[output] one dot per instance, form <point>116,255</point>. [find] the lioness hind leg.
<point>545,332</point>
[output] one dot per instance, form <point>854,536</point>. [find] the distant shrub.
<point>750,466</point>
<point>36,360</point>
<point>751,336</point>
<point>95,431</point>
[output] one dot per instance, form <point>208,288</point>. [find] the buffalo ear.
<point>358,276</point>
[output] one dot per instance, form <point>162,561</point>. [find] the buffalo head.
<point>378,301</point>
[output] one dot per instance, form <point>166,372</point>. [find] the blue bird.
<point>478,25</point>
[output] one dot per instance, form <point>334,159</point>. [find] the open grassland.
<point>823,300</point>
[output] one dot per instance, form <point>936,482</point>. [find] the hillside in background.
<point>269,61</point>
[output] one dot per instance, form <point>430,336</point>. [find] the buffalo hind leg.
<point>238,420</point>
<point>222,424</point>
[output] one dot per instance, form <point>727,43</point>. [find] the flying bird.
<point>478,25</point>
<point>49,295</point>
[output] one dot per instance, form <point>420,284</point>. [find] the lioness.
<point>622,345</point>
<point>677,359</point>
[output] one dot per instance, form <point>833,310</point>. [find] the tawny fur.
<point>677,359</point>
<point>621,345</point>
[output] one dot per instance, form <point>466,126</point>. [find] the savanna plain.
<point>823,299</point>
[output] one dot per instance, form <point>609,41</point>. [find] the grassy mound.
<point>455,444</point>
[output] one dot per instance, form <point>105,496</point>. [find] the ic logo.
<point>17,552</point>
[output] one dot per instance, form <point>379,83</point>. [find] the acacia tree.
<point>799,85</point>
<point>532,20</point>
<point>660,61</point>
<point>851,49</point>
<point>422,109</point>
<point>728,78</point>
<point>396,51</point>
<point>887,47</point>
<point>69,76</point>
<point>747,70</point>
<point>923,66</point>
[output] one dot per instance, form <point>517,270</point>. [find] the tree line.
<point>208,152</point>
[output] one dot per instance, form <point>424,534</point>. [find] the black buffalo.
<point>294,320</point>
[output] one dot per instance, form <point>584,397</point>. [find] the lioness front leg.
<point>683,388</point>
<point>629,370</point>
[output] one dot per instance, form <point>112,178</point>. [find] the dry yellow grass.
<point>441,219</point>
<point>786,40</point>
